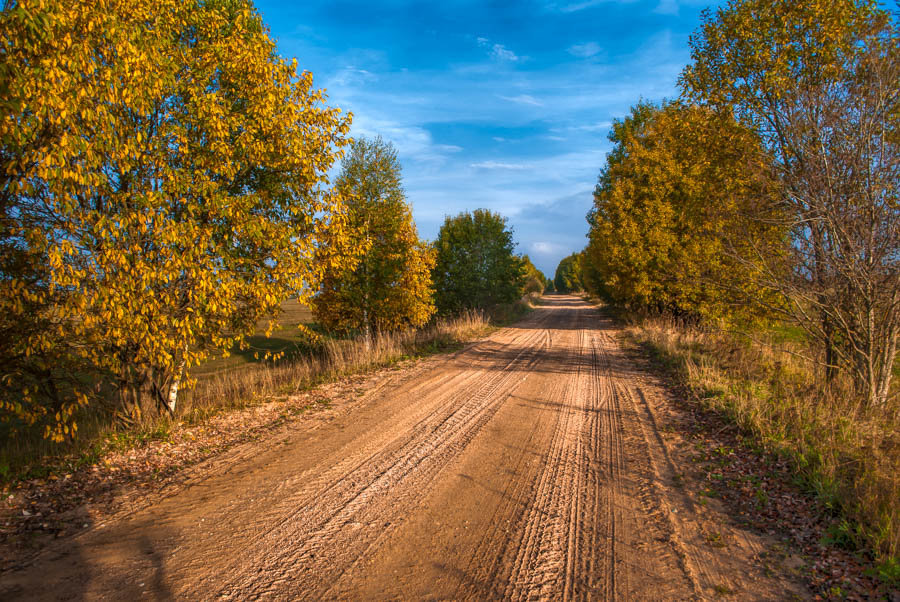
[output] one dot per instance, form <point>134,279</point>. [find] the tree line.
<point>380,276</point>
<point>164,187</point>
<point>767,192</point>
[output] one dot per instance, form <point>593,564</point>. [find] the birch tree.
<point>380,279</point>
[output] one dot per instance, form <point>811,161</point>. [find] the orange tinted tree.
<point>167,169</point>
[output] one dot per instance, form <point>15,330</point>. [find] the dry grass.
<point>847,453</point>
<point>29,455</point>
<point>337,358</point>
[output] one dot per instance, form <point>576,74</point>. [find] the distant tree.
<point>161,190</point>
<point>568,274</point>
<point>669,229</point>
<point>389,285</point>
<point>535,281</point>
<point>475,266</point>
<point>817,80</point>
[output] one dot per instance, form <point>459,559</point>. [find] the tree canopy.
<point>817,81</point>
<point>676,191</point>
<point>475,265</point>
<point>568,274</point>
<point>388,286</point>
<point>164,183</point>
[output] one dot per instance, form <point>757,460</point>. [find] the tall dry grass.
<point>335,359</point>
<point>31,455</point>
<point>848,453</point>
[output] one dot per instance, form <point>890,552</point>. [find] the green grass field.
<point>285,338</point>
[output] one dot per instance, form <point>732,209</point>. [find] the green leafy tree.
<point>817,80</point>
<point>163,188</point>
<point>568,274</point>
<point>389,285</point>
<point>475,265</point>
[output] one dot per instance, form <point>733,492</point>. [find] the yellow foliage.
<point>166,170</point>
<point>669,229</point>
<point>378,272</point>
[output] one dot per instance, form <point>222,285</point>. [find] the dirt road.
<point>532,465</point>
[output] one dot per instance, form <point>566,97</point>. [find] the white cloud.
<point>545,248</point>
<point>586,50</point>
<point>499,52</point>
<point>524,99</point>
<point>602,126</point>
<point>498,165</point>
<point>351,76</point>
<point>413,142</point>
<point>573,7</point>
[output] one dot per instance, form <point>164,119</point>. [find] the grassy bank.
<point>224,387</point>
<point>336,358</point>
<point>849,455</point>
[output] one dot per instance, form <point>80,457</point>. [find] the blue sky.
<point>502,105</point>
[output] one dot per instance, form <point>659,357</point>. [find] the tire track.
<point>290,503</point>
<point>349,515</point>
<point>490,561</point>
<point>545,563</point>
<point>568,494</point>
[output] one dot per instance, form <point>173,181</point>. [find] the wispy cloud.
<point>498,165</point>
<point>412,141</point>
<point>574,7</point>
<point>524,99</point>
<point>544,248</point>
<point>350,76</point>
<point>586,50</point>
<point>603,126</point>
<point>499,52</point>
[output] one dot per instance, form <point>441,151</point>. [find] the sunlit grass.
<point>848,454</point>
<point>223,387</point>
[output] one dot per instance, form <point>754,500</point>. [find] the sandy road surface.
<point>529,466</point>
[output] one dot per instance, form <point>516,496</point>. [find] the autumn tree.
<point>163,184</point>
<point>567,278</point>
<point>670,228</point>
<point>388,286</point>
<point>817,80</point>
<point>535,281</point>
<point>475,265</point>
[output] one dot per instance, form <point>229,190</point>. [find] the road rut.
<point>529,466</point>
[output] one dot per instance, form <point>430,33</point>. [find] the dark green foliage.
<point>568,274</point>
<point>475,266</point>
